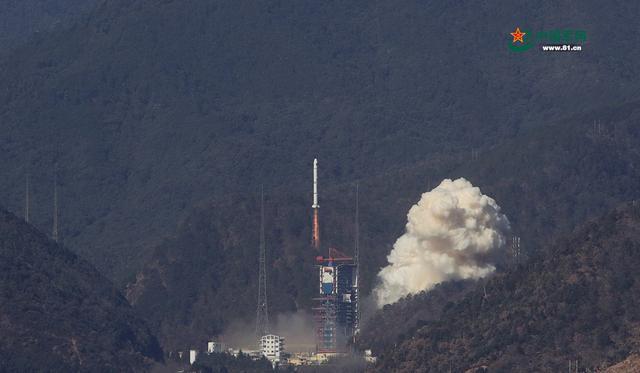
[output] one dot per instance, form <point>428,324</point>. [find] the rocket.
<point>315,184</point>
<point>315,239</point>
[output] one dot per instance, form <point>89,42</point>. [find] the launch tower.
<point>262,312</point>
<point>336,307</point>
<point>335,313</point>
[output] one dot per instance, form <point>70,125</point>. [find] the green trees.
<point>577,300</point>
<point>59,313</point>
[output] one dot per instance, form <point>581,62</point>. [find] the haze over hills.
<point>150,107</point>
<point>57,313</point>
<point>577,302</point>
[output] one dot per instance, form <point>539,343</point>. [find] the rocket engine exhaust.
<point>453,232</point>
<point>316,230</point>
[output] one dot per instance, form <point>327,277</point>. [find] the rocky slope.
<point>57,313</point>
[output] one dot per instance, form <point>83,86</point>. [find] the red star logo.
<point>518,35</point>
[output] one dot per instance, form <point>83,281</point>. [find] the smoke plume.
<point>297,328</point>
<point>453,232</point>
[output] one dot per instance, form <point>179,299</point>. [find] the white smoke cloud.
<point>453,232</point>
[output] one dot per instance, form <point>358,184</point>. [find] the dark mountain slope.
<point>548,181</point>
<point>385,329</point>
<point>153,105</point>
<point>57,313</point>
<point>21,19</point>
<point>577,302</point>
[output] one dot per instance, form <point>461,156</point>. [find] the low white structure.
<point>368,357</point>
<point>272,348</point>
<point>213,346</point>
<point>193,355</point>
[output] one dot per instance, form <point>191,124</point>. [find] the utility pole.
<point>262,314</point>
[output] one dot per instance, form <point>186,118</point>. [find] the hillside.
<point>579,301</point>
<point>150,107</point>
<point>163,118</point>
<point>629,365</point>
<point>57,313</point>
<point>204,278</point>
<point>383,329</point>
<point>20,20</point>
<point>547,181</point>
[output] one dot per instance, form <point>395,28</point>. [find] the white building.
<point>213,346</point>
<point>272,348</point>
<point>193,355</point>
<point>368,357</point>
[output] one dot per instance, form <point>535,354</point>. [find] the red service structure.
<point>336,308</point>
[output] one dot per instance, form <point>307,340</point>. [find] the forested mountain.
<point>22,19</point>
<point>58,314</point>
<point>152,106</point>
<point>386,328</point>
<point>578,302</point>
<point>164,117</point>
<point>206,276</point>
<point>547,181</point>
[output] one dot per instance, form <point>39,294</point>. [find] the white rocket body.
<point>315,184</point>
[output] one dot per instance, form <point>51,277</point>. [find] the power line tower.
<point>262,313</point>
<point>55,234</point>
<point>356,250</point>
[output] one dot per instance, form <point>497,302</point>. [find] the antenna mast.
<point>356,251</point>
<point>356,257</point>
<point>262,314</point>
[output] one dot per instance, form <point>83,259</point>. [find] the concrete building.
<point>368,357</point>
<point>272,348</point>
<point>213,346</point>
<point>193,355</point>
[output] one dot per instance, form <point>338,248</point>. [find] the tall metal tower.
<point>26,199</point>
<point>262,312</point>
<point>356,249</point>
<point>54,234</point>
